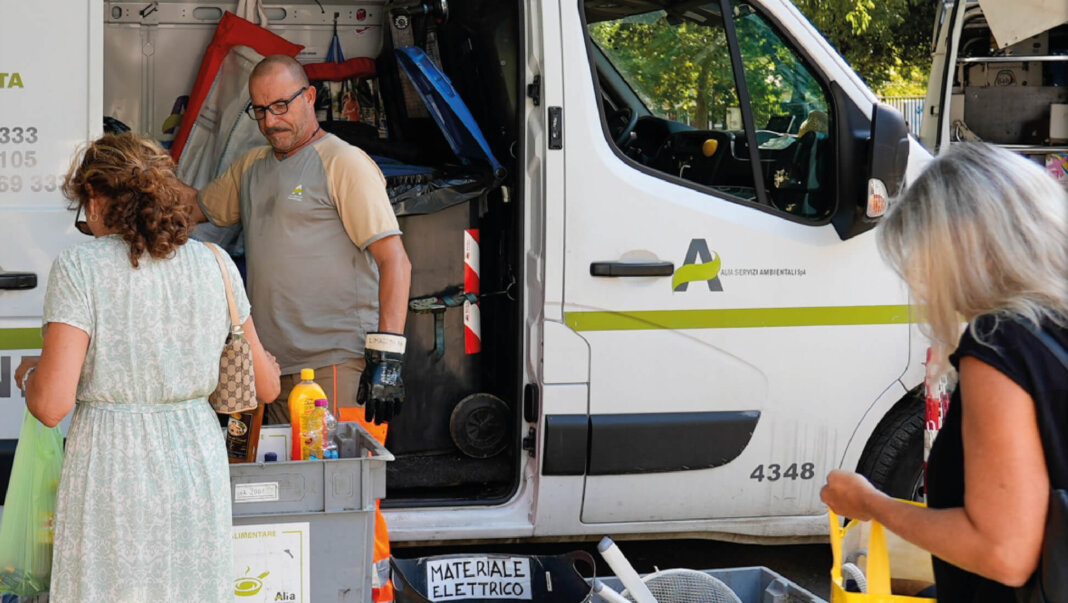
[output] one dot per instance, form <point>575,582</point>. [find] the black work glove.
<point>381,391</point>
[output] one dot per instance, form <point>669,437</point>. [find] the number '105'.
<point>18,159</point>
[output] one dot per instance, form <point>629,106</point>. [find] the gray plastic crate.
<point>336,498</point>
<point>751,584</point>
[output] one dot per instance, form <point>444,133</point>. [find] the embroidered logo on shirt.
<point>297,194</point>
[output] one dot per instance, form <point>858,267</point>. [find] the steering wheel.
<point>623,118</point>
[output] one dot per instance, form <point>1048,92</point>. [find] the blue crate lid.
<point>446,106</point>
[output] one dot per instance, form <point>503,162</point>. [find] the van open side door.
<point>935,128</point>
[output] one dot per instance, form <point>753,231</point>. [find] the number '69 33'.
<point>37,184</point>
<point>773,472</point>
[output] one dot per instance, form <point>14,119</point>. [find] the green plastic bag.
<point>26,524</point>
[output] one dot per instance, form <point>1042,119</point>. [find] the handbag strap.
<point>235,326</point>
<point>1047,340</point>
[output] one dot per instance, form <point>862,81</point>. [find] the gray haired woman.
<point>982,237</point>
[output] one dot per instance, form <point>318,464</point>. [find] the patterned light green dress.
<point>143,507</point>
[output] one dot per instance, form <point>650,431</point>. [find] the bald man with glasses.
<point>328,277</point>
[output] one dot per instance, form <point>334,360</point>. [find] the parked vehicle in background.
<point>685,321</point>
<point>1000,75</point>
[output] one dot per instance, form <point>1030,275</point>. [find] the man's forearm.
<point>394,281</point>
<point>395,276</point>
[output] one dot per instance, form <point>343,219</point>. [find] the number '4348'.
<point>774,472</point>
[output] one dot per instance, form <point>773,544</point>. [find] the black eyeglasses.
<point>81,225</point>
<point>281,107</point>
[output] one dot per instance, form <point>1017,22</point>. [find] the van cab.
<point>681,321</point>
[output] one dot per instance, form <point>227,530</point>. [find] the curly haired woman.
<point>134,324</point>
<point>982,235</point>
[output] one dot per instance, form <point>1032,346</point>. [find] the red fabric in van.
<point>336,72</point>
<point>231,31</point>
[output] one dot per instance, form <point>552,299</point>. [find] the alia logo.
<point>247,586</point>
<point>691,270</point>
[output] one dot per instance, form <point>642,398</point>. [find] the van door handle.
<point>632,269</point>
<point>18,280</point>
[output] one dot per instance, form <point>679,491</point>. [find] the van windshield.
<point>680,69</point>
<point>668,92</point>
<point>678,64</point>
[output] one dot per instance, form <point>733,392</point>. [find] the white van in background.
<point>1000,75</point>
<point>685,322</point>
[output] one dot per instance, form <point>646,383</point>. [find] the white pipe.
<point>624,571</point>
<point>605,592</point>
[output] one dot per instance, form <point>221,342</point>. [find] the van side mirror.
<point>866,186</point>
<point>889,148</point>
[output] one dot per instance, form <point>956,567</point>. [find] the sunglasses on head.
<point>81,225</point>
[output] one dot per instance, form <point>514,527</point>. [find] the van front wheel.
<point>893,458</point>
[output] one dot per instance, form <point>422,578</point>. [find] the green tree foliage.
<point>886,41</point>
<point>682,72</point>
<point>682,69</point>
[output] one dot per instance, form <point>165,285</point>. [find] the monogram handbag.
<point>236,391</point>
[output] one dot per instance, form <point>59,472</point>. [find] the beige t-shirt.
<point>308,220</point>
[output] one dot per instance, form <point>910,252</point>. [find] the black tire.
<point>893,458</point>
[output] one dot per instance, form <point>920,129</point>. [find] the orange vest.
<point>381,584</point>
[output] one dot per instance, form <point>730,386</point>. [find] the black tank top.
<point>1012,349</point>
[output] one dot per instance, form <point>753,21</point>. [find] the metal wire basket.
<point>687,586</point>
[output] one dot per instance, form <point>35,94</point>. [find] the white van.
<point>1000,75</point>
<point>685,322</point>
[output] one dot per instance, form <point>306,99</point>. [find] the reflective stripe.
<point>21,339</point>
<point>739,318</point>
<point>380,573</point>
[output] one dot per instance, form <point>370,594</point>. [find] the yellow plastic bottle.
<point>301,403</point>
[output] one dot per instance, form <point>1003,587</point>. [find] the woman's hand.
<point>849,494</point>
<point>28,362</point>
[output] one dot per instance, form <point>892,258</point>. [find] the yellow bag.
<point>890,564</point>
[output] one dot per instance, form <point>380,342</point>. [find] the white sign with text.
<point>478,578</point>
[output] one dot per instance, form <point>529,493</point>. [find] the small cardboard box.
<point>274,438</point>
<point>1058,123</point>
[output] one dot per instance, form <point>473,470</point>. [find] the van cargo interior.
<point>1006,95</point>
<point>458,439</point>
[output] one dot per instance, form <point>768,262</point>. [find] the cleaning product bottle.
<point>301,400</point>
<point>313,430</point>
<point>330,444</point>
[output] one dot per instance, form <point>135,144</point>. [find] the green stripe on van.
<point>20,339</point>
<point>740,318</point>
